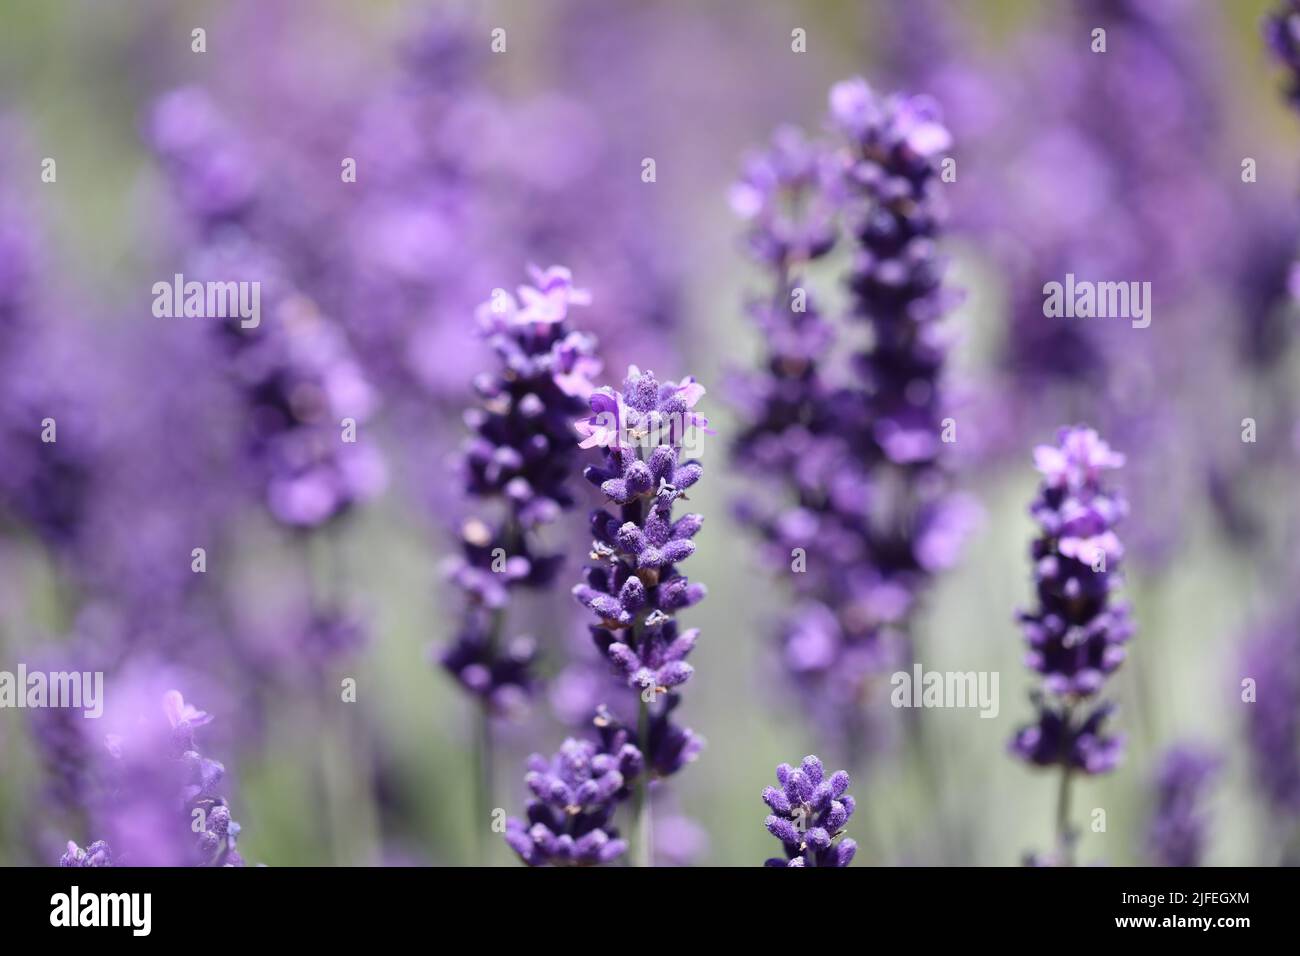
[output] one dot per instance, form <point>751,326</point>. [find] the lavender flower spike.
<point>522,454</point>
<point>575,794</point>
<point>853,464</point>
<point>1076,635</point>
<point>1178,827</point>
<point>634,587</point>
<point>809,811</point>
<point>97,854</point>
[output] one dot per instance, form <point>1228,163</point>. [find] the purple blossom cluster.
<point>1272,727</point>
<point>98,853</point>
<point>1178,829</point>
<point>809,811</point>
<point>1282,34</point>
<point>569,817</point>
<point>1076,633</point>
<point>635,590</point>
<point>855,476</point>
<point>633,586</point>
<point>521,453</point>
<point>46,483</point>
<point>163,805</point>
<point>305,393</point>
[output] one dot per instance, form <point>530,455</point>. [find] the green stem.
<point>484,785</point>
<point>1064,835</point>
<point>642,825</point>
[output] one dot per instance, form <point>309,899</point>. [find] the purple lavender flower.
<point>1076,635</point>
<point>575,794</point>
<point>1282,34</point>
<point>634,588</point>
<point>66,753</point>
<point>301,384</point>
<point>852,470</point>
<point>809,812</point>
<point>96,854</point>
<point>894,210</point>
<point>521,454</point>
<point>296,371</point>
<point>1054,741</point>
<point>1272,661</point>
<point>160,787</point>
<point>788,196</point>
<point>1177,833</point>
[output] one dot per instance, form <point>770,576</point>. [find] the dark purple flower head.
<point>523,444</point>
<point>1076,635</point>
<point>1055,741</point>
<point>633,587</point>
<point>519,458</point>
<point>574,796</point>
<point>893,211</point>
<point>668,746</point>
<point>809,812</point>
<point>1177,833</point>
<point>501,676</point>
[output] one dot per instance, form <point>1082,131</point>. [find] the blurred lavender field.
<point>338,562</point>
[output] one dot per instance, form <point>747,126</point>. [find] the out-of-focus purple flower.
<point>809,811</point>
<point>1177,834</point>
<point>850,470</point>
<point>163,805</point>
<point>1054,741</point>
<point>574,795</point>
<point>501,676</point>
<point>1272,661</point>
<point>308,403</point>
<point>96,854</point>
<point>50,382</point>
<point>1282,34</point>
<point>66,754</point>
<point>214,174</point>
<point>307,398</point>
<point>679,840</point>
<point>330,635</point>
<point>787,196</point>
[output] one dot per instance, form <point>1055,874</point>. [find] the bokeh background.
<point>472,165</point>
